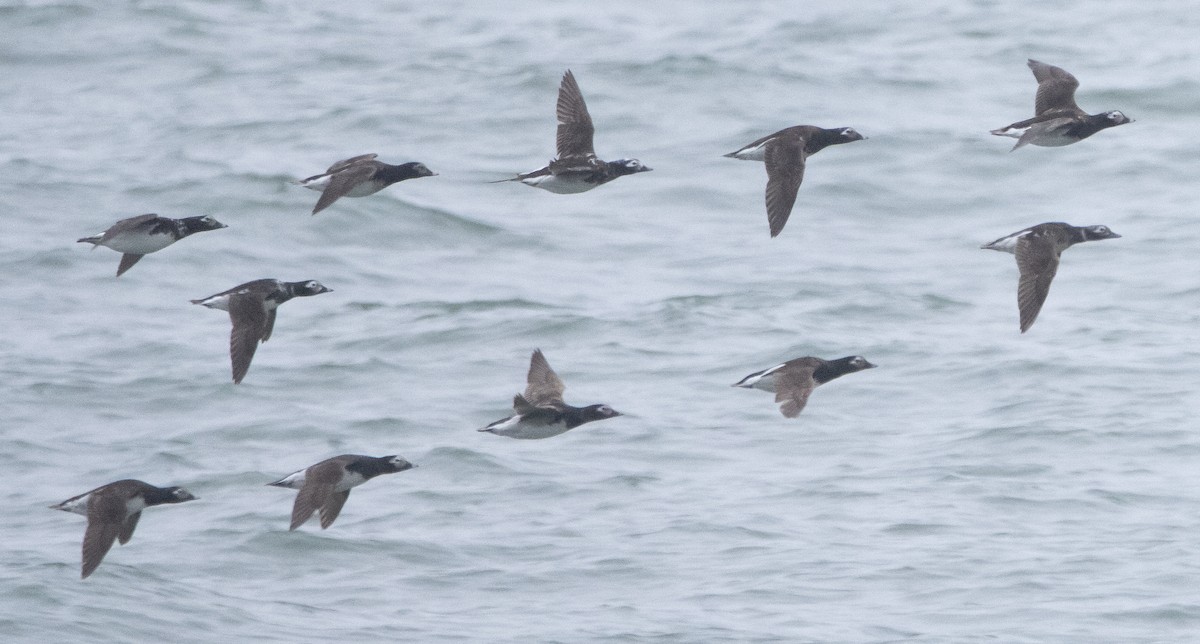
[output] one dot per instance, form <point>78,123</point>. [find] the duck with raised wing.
<point>540,411</point>
<point>1057,120</point>
<point>576,168</point>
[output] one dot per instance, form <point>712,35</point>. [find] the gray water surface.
<point>980,485</point>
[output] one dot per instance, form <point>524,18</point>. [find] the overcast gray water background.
<point>980,485</point>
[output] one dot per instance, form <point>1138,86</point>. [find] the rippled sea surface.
<point>980,485</point>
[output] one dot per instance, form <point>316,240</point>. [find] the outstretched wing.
<point>785,160</point>
<point>128,527</point>
<point>249,318</point>
<point>333,507</point>
<point>1056,88</point>
<point>575,128</point>
<point>345,163</point>
<point>1037,260</point>
<point>127,262</point>
<point>341,183</point>
<point>793,385</point>
<point>105,515</point>
<point>320,481</point>
<point>544,386</point>
<point>131,224</point>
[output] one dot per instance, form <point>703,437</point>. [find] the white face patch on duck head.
<point>400,463</point>
<point>313,287</point>
<point>860,362</point>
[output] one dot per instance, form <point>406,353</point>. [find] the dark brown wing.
<point>130,224</point>
<point>345,163</point>
<point>128,527</point>
<point>573,165</point>
<point>106,513</point>
<point>333,507</point>
<point>249,318</point>
<point>270,324</point>
<point>127,262</point>
<point>340,183</point>
<point>575,128</point>
<point>545,387</point>
<point>1056,88</point>
<point>319,483</point>
<point>531,413</point>
<point>784,157</point>
<point>793,385</point>
<point>1037,260</point>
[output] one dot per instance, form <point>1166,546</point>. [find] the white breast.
<point>351,479</point>
<point>365,188</point>
<point>558,185</point>
<point>530,431</point>
<point>135,505</point>
<point>139,243</point>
